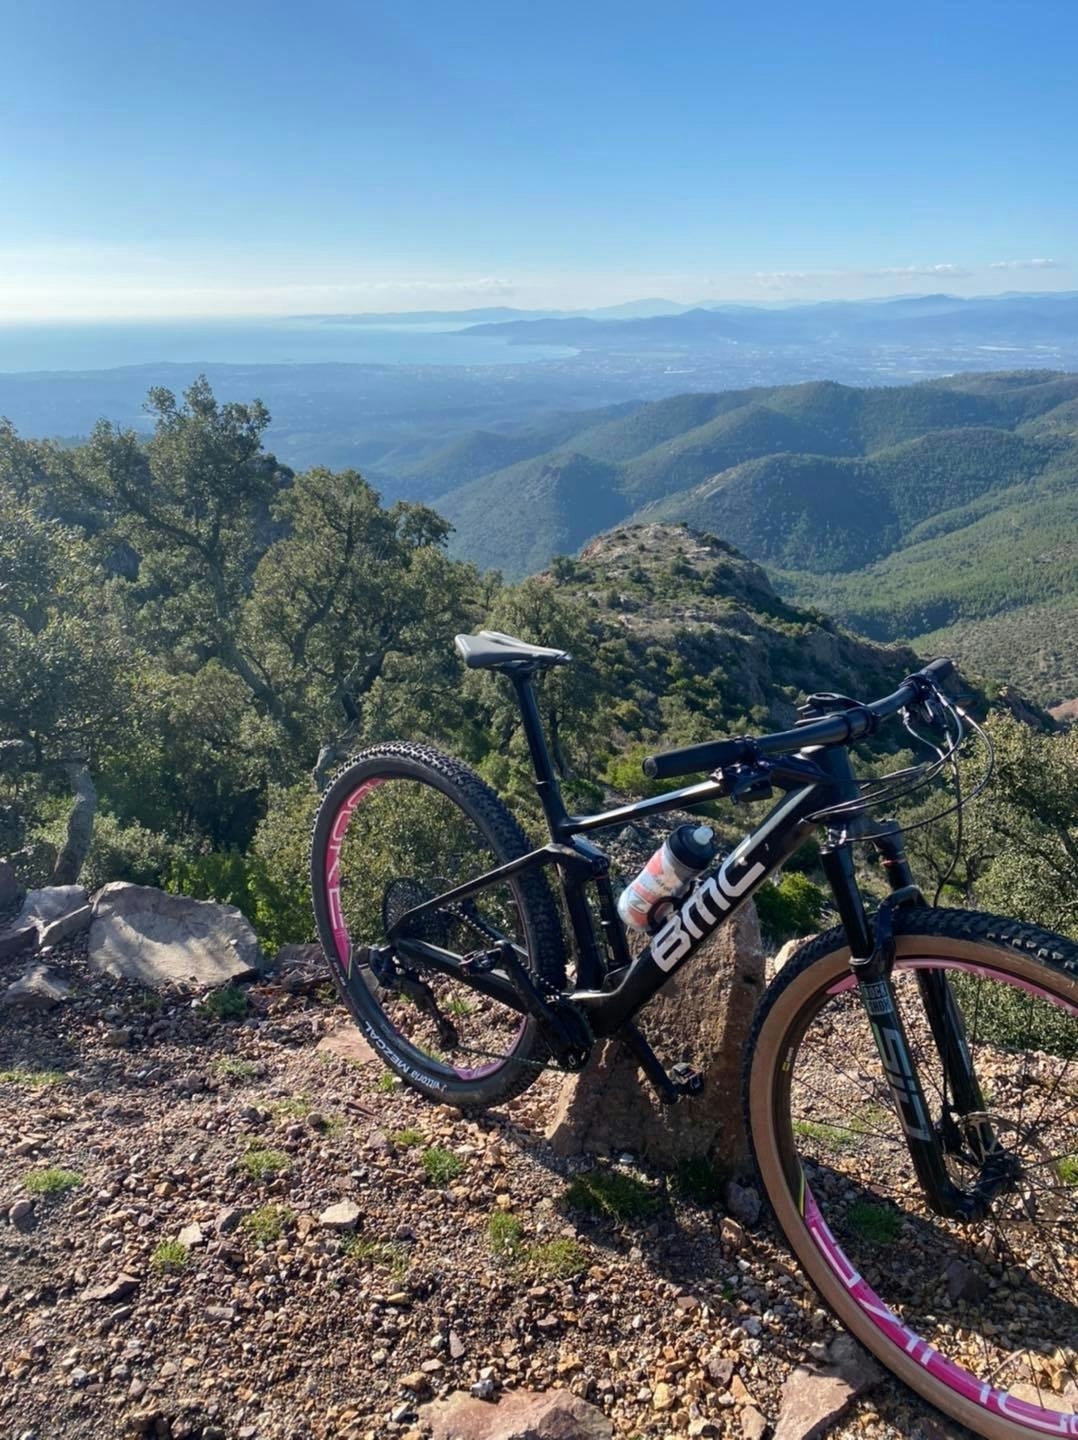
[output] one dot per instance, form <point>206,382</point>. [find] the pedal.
<point>687,1080</point>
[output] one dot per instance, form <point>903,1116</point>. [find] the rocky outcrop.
<point>702,1017</point>
<point>142,934</point>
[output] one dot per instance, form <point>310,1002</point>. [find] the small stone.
<point>731,1233</point>
<point>118,1036</point>
<point>416,1382</point>
<point>113,1291</point>
<point>342,1216</point>
<point>21,1210</point>
<point>484,1389</point>
<point>662,1397</point>
<point>743,1202</point>
<point>457,1348</point>
<point>191,1235</point>
<point>753,1424</point>
<point>227,1219</point>
<point>720,1371</point>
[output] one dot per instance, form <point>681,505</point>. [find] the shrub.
<point>119,850</point>
<point>792,907</point>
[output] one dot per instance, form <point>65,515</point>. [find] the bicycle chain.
<point>533,1064</point>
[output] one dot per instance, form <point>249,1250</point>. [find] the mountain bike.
<point>911,1086</point>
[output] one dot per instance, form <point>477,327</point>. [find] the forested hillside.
<point>189,630</point>
<point>946,510</point>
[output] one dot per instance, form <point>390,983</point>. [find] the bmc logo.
<point>705,907</point>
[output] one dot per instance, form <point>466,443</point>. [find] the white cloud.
<point>885,272</point>
<point>1025,265</point>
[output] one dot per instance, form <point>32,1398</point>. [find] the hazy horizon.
<point>254,161</point>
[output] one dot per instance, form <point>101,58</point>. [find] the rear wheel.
<point>980,1317</point>
<point>401,824</point>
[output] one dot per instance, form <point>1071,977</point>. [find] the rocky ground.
<point>235,1227</point>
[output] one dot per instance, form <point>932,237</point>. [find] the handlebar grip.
<point>938,670</point>
<point>692,759</point>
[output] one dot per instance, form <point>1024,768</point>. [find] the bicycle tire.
<point>1029,959</point>
<point>487,1085</point>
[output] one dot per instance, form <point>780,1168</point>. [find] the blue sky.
<point>239,158</point>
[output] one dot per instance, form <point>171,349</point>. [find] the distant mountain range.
<point>928,319</point>
<point>946,510</point>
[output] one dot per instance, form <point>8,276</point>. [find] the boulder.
<point>16,942</point>
<point>813,1398</point>
<point>139,933</point>
<point>73,923</point>
<point>39,989</point>
<point>52,902</point>
<point>518,1415</point>
<point>702,1016</point>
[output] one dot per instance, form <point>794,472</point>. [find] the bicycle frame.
<point>611,994</point>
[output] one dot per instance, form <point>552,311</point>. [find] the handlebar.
<point>844,727</point>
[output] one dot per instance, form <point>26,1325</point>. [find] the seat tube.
<point>546,780</point>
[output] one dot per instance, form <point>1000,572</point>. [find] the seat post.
<point>546,780</point>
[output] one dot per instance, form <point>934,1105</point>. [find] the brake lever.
<point>744,784</point>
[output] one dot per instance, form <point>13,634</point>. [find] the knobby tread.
<point>546,948</point>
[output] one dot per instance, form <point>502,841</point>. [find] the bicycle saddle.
<point>491,650</point>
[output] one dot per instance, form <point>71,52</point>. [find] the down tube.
<point>710,904</point>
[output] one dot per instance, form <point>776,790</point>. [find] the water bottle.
<point>690,849</point>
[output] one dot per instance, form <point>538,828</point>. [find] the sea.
<point>300,341</point>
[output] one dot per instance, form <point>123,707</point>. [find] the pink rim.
<point>995,1402</point>
<point>341,938</point>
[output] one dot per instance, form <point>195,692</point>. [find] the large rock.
<point>39,989</point>
<point>518,1415</point>
<point>52,902</point>
<point>702,1016</point>
<point>139,933</point>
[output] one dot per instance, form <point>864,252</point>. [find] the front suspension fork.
<point>872,949</point>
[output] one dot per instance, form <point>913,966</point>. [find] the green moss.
<point>33,1079</point>
<point>379,1253</point>
<point>831,1137</point>
<point>234,1068</point>
<point>1067,1170</point>
<point>228,1002</point>
<point>407,1138</point>
<point>875,1223</point>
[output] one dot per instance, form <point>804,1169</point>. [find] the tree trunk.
<point>80,825</point>
<point>702,1016</point>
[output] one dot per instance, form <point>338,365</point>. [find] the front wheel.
<point>980,1317</point>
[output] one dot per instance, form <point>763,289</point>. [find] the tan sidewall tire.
<point>761,1100</point>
